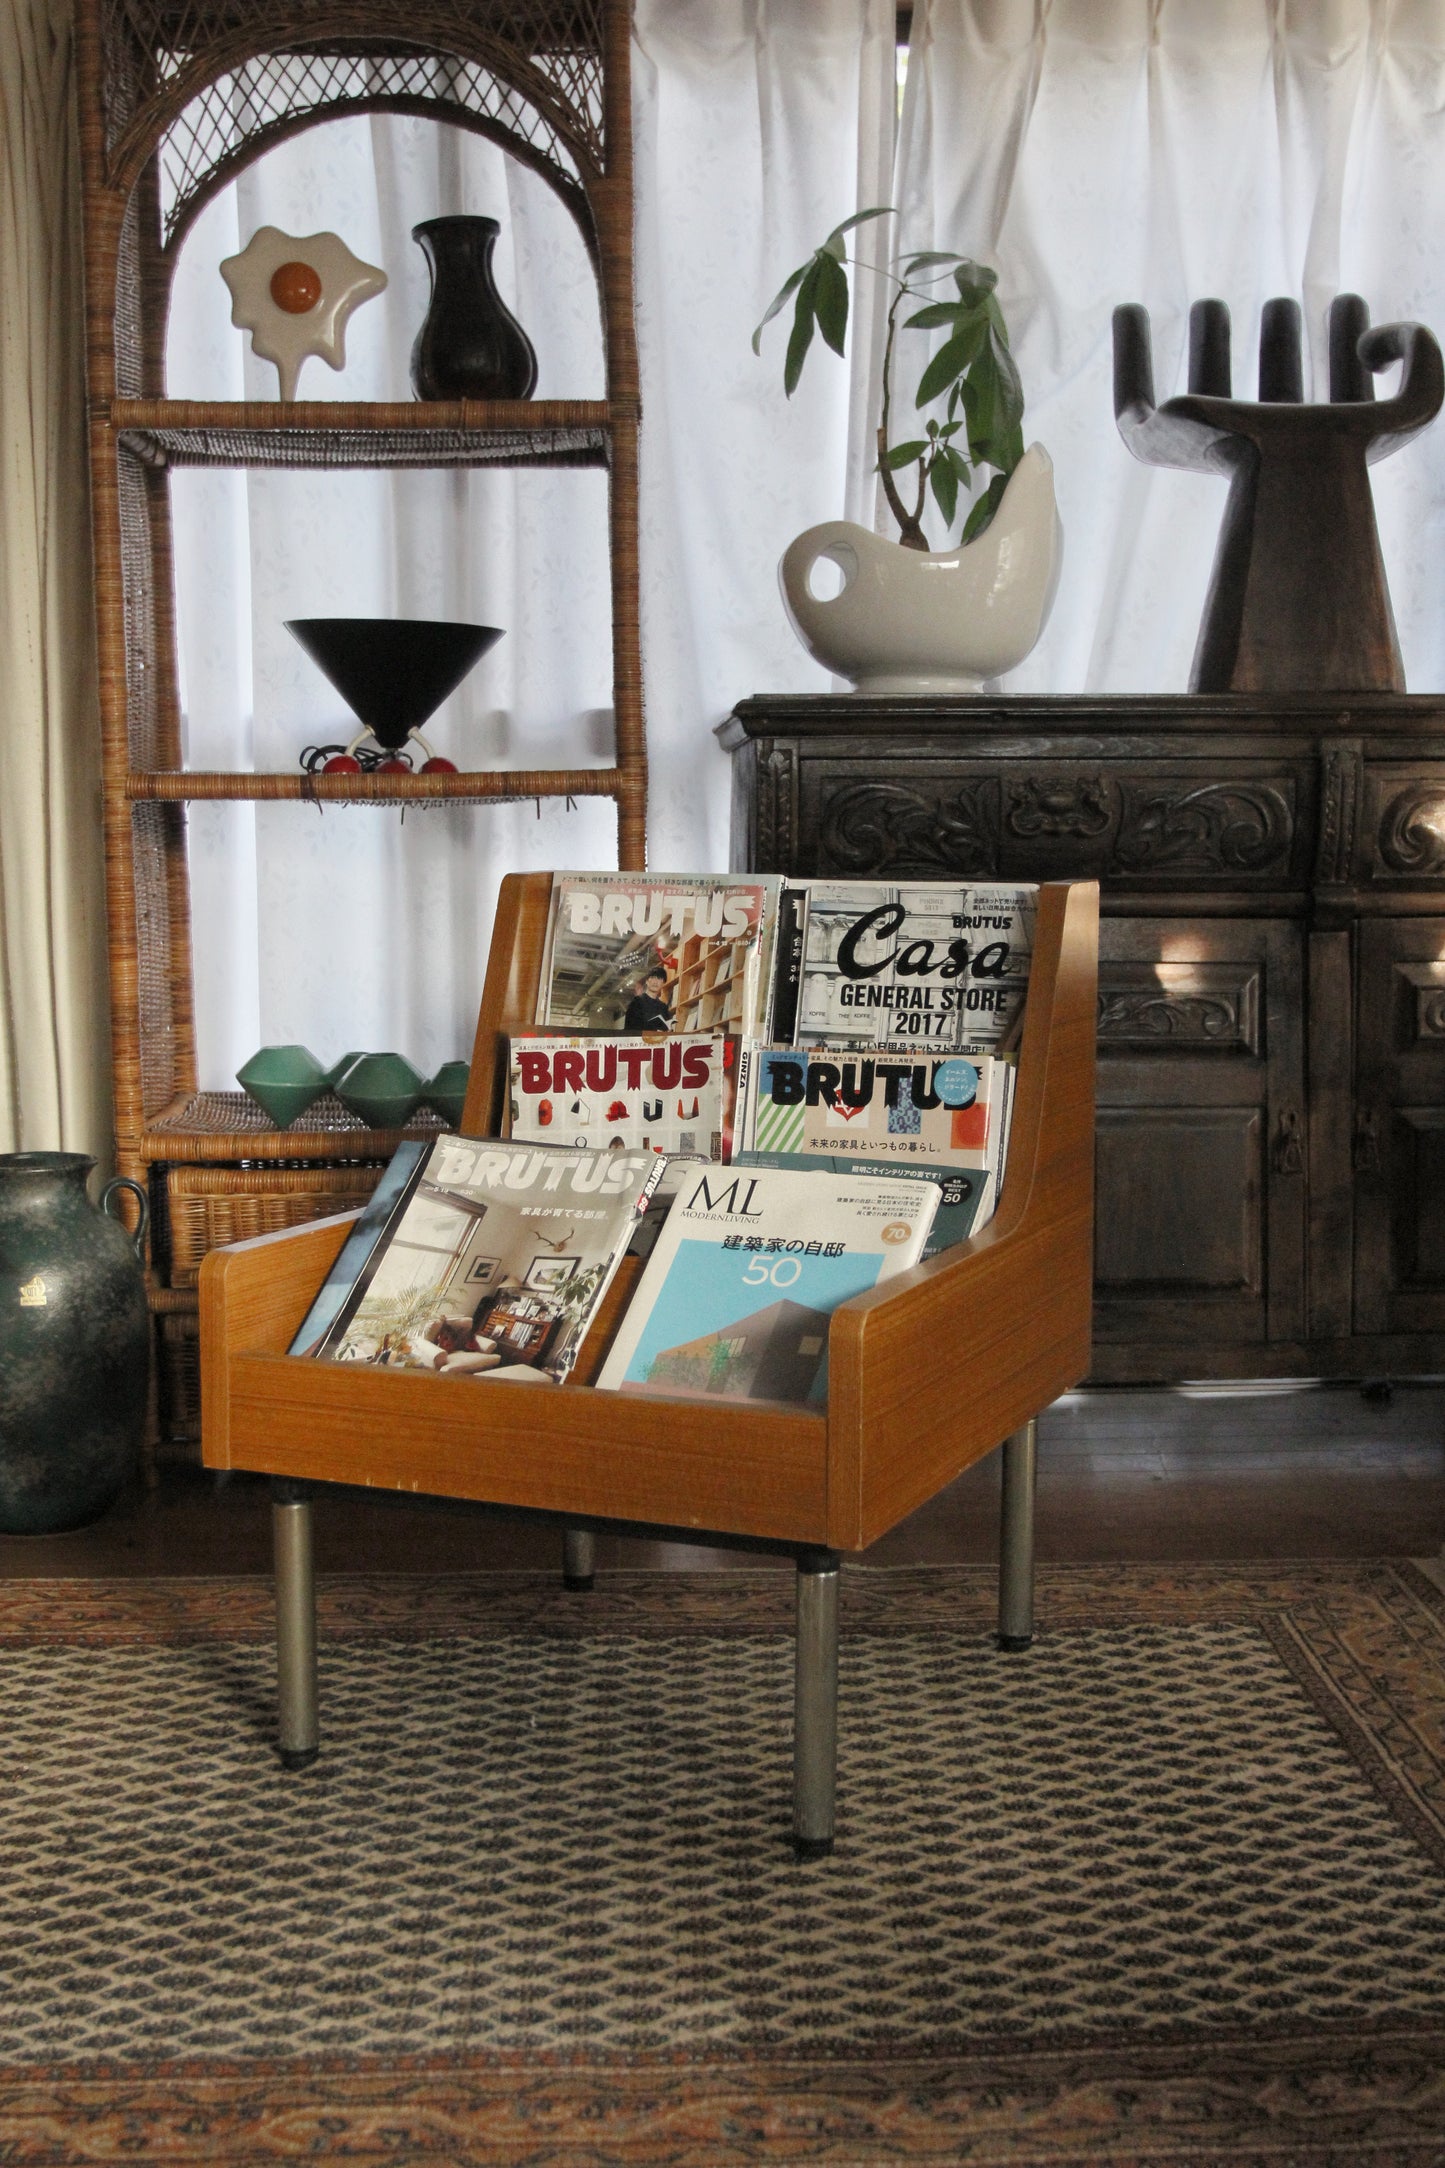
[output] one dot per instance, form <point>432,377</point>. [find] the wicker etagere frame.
<point>176,96</point>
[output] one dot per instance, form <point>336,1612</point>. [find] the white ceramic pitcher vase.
<point>932,621</point>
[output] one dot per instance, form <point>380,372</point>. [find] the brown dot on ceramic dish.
<point>295,287</point>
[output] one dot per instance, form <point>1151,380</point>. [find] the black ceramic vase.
<point>74,1344</point>
<point>471,346</point>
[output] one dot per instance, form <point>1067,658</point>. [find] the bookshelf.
<point>176,97</point>
<point>712,986</point>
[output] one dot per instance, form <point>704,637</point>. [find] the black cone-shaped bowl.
<point>392,671</point>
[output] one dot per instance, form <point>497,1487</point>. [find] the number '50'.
<point>782,1271</point>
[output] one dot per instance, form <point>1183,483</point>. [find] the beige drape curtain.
<point>53,1007</point>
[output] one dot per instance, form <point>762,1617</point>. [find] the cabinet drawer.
<point>1161,824</point>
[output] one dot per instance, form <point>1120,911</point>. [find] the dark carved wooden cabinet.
<point>1271,1113</point>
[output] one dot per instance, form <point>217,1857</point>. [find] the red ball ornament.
<point>393,767</point>
<point>438,765</point>
<point>342,764</point>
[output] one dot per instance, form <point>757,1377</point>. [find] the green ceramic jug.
<point>74,1343</point>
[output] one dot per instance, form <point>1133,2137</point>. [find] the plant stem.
<point>910,524</point>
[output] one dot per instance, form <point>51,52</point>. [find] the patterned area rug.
<point>1167,1888</point>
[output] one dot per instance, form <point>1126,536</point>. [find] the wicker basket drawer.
<point>210,1206</point>
<point>180,1377</point>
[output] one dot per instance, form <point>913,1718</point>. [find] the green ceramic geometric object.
<point>339,1067</point>
<point>380,1089</point>
<point>283,1081</point>
<point>447,1091</point>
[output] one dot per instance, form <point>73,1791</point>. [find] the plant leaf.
<point>952,358</point>
<point>936,314</point>
<point>831,301</point>
<point>801,337</point>
<point>834,242</point>
<point>903,455</point>
<point>1011,389</point>
<point>1003,450</point>
<point>778,301</point>
<point>984,393</point>
<point>974,280</point>
<point>944,483</point>
<point>984,508</point>
<point>929,257</point>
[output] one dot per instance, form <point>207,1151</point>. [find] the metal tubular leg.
<point>579,1557</point>
<point>295,1626</point>
<point>815,1704</point>
<point>1016,1544</point>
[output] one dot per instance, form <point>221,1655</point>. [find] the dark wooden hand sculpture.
<point>1298,600</point>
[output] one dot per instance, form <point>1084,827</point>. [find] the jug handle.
<point>123,1181</point>
<point>834,539</point>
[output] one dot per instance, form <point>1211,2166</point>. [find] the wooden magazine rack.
<point>927,1373</point>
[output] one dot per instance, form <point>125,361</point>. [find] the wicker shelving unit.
<point>162,129</point>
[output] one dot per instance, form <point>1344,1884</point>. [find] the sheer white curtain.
<point>758,124</point>
<point>53,1044</point>
<point>1162,151</point>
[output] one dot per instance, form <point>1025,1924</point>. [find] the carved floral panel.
<point>928,831</point>
<point>1198,1007</point>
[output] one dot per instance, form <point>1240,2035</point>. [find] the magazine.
<point>944,1111</point>
<point>651,1095</point>
<point>496,1262</point>
<point>961,1190</point>
<point>382,1208</point>
<point>871,1113</point>
<point>788,961</point>
<point>924,963</point>
<point>634,952</point>
<point>735,1299</point>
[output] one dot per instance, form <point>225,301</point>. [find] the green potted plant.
<point>911,619</point>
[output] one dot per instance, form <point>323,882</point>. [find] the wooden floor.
<point>1145,1474</point>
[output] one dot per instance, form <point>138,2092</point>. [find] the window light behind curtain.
<point>1096,150</point>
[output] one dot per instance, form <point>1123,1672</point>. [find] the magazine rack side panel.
<point>253,1296</point>
<point>562,1449</point>
<point>509,995</point>
<point>930,1372</point>
<point>558,1449</point>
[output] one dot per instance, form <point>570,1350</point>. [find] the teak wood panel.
<point>926,1374</point>
<point>569,1449</point>
<point>929,1371</point>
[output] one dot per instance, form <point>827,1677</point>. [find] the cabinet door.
<point>1400,1127</point>
<point>1200,1202</point>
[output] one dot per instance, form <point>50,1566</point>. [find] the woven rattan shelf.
<point>203,1127</point>
<point>176,98</point>
<point>488,786</point>
<point>336,433</point>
